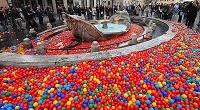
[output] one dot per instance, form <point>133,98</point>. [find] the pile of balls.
<point>165,77</point>
<point>55,43</point>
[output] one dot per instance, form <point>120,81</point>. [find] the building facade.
<point>167,1</point>
<point>3,3</point>
<point>66,3</point>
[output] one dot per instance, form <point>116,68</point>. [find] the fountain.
<point>117,24</point>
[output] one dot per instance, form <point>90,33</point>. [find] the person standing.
<point>180,13</point>
<point>191,11</point>
<point>2,19</point>
<point>59,10</point>
<point>97,12</point>
<point>102,11</point>
<point>39,14</point>
<point>50,15</point>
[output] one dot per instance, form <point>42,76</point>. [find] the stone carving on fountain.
<point>121,17</point>
<point>85,31</point>
<point>81,29</point>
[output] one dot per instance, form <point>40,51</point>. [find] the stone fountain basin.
<point>14,59</point>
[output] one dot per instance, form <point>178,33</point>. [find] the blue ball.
<point>91,101</point>
<point>149,96</point>
<point>14,96</point>
<point>72,70</point>
<point>171,101</point>
<point>151,108</point>
<point>1,104</point>
<point>148,102</point>
<point>98,99</point>
<point>137,102</point>
<point>84,105</point>
<point>40,102</point>
<point>86,102</point>
<point>9,108</point>
<point>76,98</point>
<point>179,105</point>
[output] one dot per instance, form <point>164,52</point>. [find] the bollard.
<point>95,47</point>
<point>150,23</point>
<point>94,18</point>
<point>150,34</point>
<point>27,43</point>
<point>133,40</point>
<point>40,49</point>
<point>64,22</point>
<point>49,26</point>
<point>14,49</point>
<point>154,26</point>
<point>32,31</point>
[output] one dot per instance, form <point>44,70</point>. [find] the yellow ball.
<point>17,108</point>
<point>144,86</point>
<point>71,99</point>
<point>84,89</point>
<point>154,104</point>
<point>141,81</point>
<point>55,102</point>
<point>35,104</point>
<point>164,83</point>
<point>98,81</point>
<point>130,102</point>
<point>40,92</point>
<point>149,91</point>
<point>125,95</point>
<point>166,100</point>
<point>184,96</point>
<point>57,85</point>
<point>140,95</point>
<point>20,89</point>
<point>69,103</point>
<point>134,100</point>
<point>52,89</point>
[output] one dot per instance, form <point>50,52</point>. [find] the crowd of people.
<point>15,17</point>
<point>186,13</point>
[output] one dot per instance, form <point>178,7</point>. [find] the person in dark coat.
<point>2,19</point>
<point>59,11</point>
<point>98,12</point>
<point>89,13</point>
<point>39,14</point>
<point>191,11</point>
<point>180,13</point>
<point>29,17</point>
<point>50,15</point>
<point>79,10</point>
<point>101,11</point>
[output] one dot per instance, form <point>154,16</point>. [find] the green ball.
<point>84,96</point>
<point>44,96</point>
<point>91,105</point>
<point>28,88</point>
<point>7,94</point>
<point>63,108</point>
<point>73,108</point>
<point>95,106</point>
